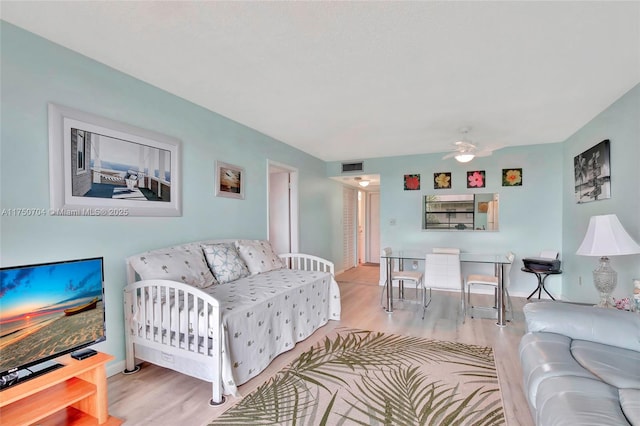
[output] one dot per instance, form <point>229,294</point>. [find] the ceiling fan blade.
<point>495,147</point>
<point>450,155</point>
<point>483,153</point>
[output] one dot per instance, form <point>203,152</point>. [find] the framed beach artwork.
<point>101,167</point>
<point>229,180</point>
<point>592,170</point>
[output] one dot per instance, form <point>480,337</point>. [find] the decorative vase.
<point>605,280</point>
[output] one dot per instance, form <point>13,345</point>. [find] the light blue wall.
<point>620,123</point>
<point>530,215</point>
<point>35,72</point>
<point>542,214</point>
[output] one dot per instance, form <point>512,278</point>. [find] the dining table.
<point>499,261</point>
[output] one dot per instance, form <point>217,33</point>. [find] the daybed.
<point>581,364</point>
<point>222,310</point>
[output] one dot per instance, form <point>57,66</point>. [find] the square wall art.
<point>442,180</point>
<point>511,177</point>
<point>475,179</point>
<point>411,182</point>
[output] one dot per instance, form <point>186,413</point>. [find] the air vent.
<point>353,167</point>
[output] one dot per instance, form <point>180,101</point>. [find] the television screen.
<point>48,310</point>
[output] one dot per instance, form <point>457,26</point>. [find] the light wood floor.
<point>157,396</point>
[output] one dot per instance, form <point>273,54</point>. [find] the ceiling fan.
<point>466,150</point>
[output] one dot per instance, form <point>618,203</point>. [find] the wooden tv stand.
<point>75,394</point>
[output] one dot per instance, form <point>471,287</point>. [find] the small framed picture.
<point>511,177</point>
<point>229,181</point>
<point>412,182</point>
<point>442,180</point>
<point>475,179</point>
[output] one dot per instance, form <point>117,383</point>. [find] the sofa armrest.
<point>601,325</point>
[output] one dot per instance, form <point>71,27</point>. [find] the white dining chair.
<point>401,275</point>
<point>446,250</point>
<point>442,272</point>
<point>490,281</point>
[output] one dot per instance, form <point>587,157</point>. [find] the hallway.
<point>367,273</point>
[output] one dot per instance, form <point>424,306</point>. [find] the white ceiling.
<point>355,80</point>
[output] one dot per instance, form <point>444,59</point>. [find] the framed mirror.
<point>462,212</point>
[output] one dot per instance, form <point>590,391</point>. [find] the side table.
<point>541,275</point>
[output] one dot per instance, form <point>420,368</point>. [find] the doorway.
<point>282,211</point>
<point>361,227</point>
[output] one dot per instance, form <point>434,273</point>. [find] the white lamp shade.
<point>606,237</point>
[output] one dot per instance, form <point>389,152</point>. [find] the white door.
<point>283,208</point>
<point>373,227</point>
<point>362,228</point>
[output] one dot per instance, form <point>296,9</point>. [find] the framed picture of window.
<point>102,167</point>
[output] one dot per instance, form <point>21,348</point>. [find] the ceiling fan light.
<point>464,158</point>
<point>363,183</point>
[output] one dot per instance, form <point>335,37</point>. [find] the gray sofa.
<point>581,364</point>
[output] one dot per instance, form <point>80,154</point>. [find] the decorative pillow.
<point>225,262</point>
<point>259,256</point>
<point>184,265</point>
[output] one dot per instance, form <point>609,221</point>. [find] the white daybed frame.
<point>195,356</point>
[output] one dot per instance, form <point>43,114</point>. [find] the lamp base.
<point>605,280</point>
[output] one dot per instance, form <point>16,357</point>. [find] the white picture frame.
<point>229,180</point>
<point>101,167</point>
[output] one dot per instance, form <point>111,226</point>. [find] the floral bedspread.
<point>266,314</point>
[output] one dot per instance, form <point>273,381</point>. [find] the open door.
<point>373,227</point>
<point>282,188</point>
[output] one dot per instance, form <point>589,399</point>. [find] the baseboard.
<point>115,368</point>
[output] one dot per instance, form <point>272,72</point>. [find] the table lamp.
<point>606,237</point>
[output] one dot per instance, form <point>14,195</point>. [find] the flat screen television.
<point>48,310</point>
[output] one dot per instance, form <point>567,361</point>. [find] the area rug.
<point>371,378</point>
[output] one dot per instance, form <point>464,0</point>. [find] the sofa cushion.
<point>568,400</point>
<point>225,262</point>
<point>259,256</point>
<point>601,325</point>
<point>544,355</point>
<point>615,366</point>
<point>185,265</point>
<point>630,402</point>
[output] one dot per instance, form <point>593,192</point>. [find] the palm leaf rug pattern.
<point>372,378</point>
